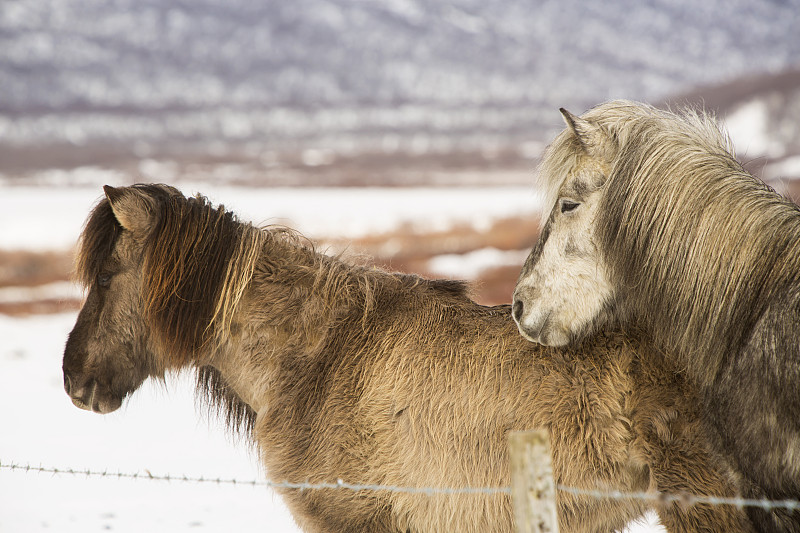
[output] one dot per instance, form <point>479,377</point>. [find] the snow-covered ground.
<point>160,430</point>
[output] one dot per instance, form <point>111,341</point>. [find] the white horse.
<point>655,225</point>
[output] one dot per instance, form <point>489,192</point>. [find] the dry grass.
<point>23,269</point>
<point>29,269</point>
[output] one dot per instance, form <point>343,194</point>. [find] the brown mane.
<point>216,394</point>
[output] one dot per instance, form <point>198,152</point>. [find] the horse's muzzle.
<point>537,327</point>
<point>91,396</point>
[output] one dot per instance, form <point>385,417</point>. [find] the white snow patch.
<point>748,127</point>
<point>160,171</point>
<point>77,177</point>
<point>647,524</point>
<point>470,265</point>
<point>314,158</point>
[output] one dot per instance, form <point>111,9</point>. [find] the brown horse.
<point>655,225</point>
<point>348,372</point>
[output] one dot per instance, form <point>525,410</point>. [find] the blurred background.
<point>368,93</point>
<point>404,130</point>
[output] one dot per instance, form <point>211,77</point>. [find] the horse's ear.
<point>133,209</point>
<point>590,135</point>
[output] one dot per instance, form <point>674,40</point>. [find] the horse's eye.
<point>568,205</point>
<point>104,279</point>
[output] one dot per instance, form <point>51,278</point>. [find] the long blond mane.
<point>699,246</point>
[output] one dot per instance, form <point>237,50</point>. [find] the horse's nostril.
<point>67,383</point>
<point>517,310</point>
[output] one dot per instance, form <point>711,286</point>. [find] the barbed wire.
<point>339,484</point>
<point>657,497</point>
<point>683,498</point>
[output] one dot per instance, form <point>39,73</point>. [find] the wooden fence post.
<point>533,490</point>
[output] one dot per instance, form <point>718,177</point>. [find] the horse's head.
<point>563,291</point>
<point>108,353</point>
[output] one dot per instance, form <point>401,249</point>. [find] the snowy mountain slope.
<point>345,73</point>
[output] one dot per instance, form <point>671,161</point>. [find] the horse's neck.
<point>291,313</point>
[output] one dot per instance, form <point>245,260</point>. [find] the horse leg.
<point>681,464</point>
<point>774,521</point>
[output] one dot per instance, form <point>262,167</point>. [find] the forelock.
<point>559,158</point>
<point>96,243</point>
